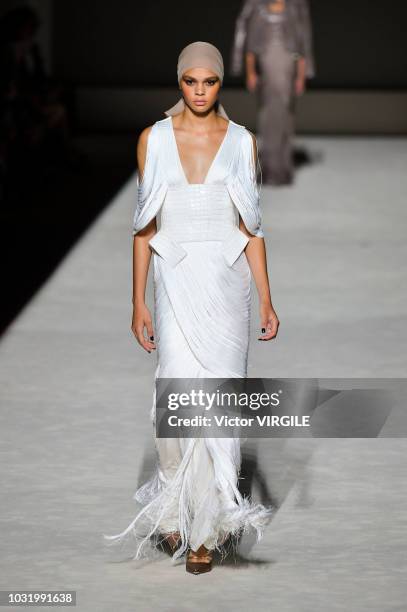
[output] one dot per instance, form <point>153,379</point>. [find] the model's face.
<point>200,88</point>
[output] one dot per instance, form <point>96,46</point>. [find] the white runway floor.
<point>76,391</point>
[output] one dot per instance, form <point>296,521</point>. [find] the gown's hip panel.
<point>198,213</point>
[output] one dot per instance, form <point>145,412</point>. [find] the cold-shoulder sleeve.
<point>243,187</point>
<point>152,187</point>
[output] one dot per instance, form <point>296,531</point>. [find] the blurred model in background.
<point>273,44</point>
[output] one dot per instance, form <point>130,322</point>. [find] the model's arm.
<point>251,71</point>
<point>141,263</point>
<point>257,259</point>
<point>307,64</point>
<point>240,36</point>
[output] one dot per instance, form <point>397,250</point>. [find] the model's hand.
<point>251,81</point>
<point>269,321</point>
<point>142,319</point>
<point>299,86</point>
<point>300,76</point>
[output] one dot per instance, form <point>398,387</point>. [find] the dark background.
<point>117,61</point>
<point>360,44</point>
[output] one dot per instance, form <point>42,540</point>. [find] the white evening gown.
<point>202,321</point>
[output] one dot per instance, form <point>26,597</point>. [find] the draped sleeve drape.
<point>243,187</point>
<point>152,187</point>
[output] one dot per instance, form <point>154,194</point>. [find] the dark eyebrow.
<point>189,78</point>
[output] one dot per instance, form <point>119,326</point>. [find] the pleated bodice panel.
<point>198,212</point>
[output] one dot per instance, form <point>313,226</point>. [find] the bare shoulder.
<point>254,144</point>
<point>143,138</point>
<point>253,137</point>
<point>142,148</point>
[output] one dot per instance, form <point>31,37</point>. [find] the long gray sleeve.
<point>240,36</point>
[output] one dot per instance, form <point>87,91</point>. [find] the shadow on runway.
<point>303,157</point>
<point>48,216</point>
<point>287,466</point>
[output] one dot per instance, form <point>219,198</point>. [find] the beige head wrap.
<point>198,55</point>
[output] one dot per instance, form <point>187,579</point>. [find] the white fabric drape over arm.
<point>152,188</point>
<point>243,187</point>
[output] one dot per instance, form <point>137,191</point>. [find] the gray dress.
<point>277,40</point>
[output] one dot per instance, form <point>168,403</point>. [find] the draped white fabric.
<point>202,314</point>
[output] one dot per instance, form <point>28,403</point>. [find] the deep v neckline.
<point>221,146</point>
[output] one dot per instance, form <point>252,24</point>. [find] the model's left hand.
<point>268,321</point>
<point>300,76</point>
<point>299,86</point>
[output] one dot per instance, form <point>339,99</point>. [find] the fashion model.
<point>274,38</point>
<point>197,168</point>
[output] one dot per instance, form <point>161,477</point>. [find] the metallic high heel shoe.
<point>199,561</point>
<point>172,541</point>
